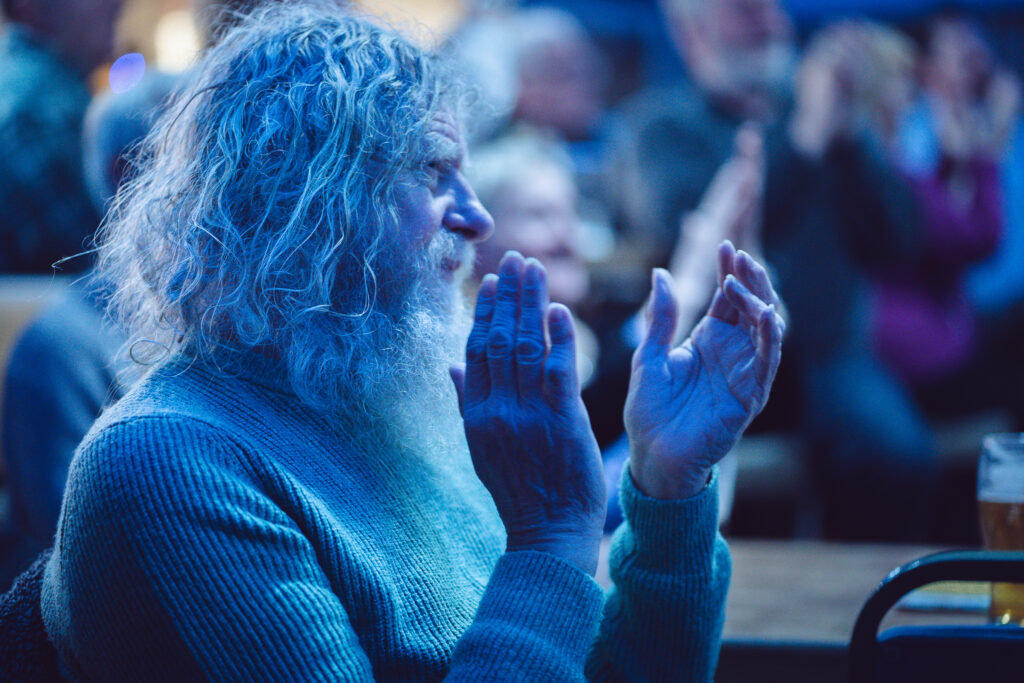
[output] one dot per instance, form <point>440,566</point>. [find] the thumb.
<point>664,314</point>
<point>458,374</point>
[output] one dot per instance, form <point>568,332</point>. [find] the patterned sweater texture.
<point>194,546</point>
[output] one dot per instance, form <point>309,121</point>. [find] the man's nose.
<point>468,218</point>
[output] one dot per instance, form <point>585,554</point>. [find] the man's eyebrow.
<point>442,146</point>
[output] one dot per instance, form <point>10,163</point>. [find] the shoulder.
<point>141,464</point>
<point>175,423</point>
<point>146,500</point>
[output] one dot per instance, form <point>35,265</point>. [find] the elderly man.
<point>45,58</point>
<point>292,492</point>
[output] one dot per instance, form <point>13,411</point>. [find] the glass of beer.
<point>1001,509</point>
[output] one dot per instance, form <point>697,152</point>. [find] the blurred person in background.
<point>925,326</point>
<point>68,365</point>
<point>65,368</point>
<point>834,208</point>
<point>540,68</point>
<point>48,48</point>
<point>214,17</point>
<point>970,116</point>
<point>537,66</point>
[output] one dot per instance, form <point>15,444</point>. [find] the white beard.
<point>399,396</point>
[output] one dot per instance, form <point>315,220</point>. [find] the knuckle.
<point>529,348</point>
<point>507,291</point>
<point>531,292</point>
<point>476,353</point>
<point>558,375</point>
<point>500,342</point>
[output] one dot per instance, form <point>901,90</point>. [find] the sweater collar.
<point>254,365</point>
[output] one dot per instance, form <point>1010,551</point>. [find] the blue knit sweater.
<point>192,545</point>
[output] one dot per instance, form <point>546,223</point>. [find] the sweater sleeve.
<point>173,564</point>
<point>536,622</point>
<point>670,568</point>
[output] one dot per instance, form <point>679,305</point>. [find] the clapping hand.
<point>528,432</point>
<point>730,209</point>
<point>688,405</point>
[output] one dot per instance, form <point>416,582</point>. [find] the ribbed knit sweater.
<point>215,528</point>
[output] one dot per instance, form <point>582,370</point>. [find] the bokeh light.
<point>127,71</point>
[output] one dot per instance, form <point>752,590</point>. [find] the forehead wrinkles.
<point>443,138</point>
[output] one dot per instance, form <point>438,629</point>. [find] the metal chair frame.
<point>957,565</point>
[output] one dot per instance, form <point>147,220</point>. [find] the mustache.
<point>447,250</point>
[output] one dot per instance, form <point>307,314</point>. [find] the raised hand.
<point>729,210</point>
<point>688,404</point>
<point>528,432</point>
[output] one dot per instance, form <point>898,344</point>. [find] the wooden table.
<point>792,605</point>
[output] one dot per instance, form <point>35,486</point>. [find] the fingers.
<point>720,307</point>
<point>749,141</point>
<point>764,321</point>
<point>507,348</point>
<point>662,317</point>
<point>531,347</point>
<point>754,276</point>
<point>501,338</point>
<point>770,330</point>
<point>560,378</point>
<point>477,374</point>
<point>726,254</point>
<point>744,301</point>
<point>458,375</point>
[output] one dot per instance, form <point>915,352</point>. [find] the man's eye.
<point>435,170</point>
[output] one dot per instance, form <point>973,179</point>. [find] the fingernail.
<point>662,276</point>
<point>533,271</point>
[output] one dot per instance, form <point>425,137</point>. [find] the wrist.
<point>578,549</point>
<point>653,482</point>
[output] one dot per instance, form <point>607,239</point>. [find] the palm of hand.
<point>698,398</point>
<point>688,405</point>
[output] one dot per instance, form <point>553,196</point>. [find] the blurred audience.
<point>540,68</point>
<point>47,51</point>
<point>65,368</point>
<point>971,110</point>
<point>954,361</point>
<point>834,209</point>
